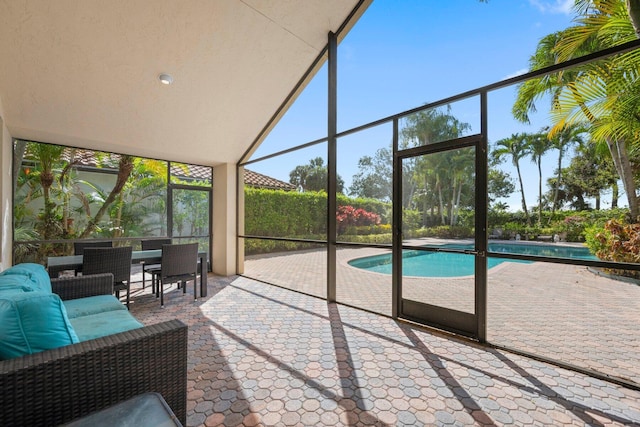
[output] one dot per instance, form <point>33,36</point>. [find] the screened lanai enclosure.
<point>446,214</point>
<point>423,233</point>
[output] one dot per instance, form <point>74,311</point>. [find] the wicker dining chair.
<point>148,245</point>
<point>179,264</point>
<point>78,248</point>
<point>116,261</point>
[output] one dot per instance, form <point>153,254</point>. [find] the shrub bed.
<point>616,241</point>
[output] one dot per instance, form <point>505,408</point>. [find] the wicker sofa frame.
<point>59,385</point>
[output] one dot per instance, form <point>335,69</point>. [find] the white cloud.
<point>553,6</point>
<point>517,73</point>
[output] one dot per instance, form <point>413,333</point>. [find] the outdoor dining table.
<point>56,264</point>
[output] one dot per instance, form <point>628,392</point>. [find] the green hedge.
<point>298,215</point>
<point>281,213</point>
<point>278,213</point>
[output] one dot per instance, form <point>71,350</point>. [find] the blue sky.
<point>403,54</point>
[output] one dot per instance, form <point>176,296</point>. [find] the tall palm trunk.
<point>620,155</point>
<point>425,203</point>
<point>554,206</point>
<point>539,162</point>
<point>19,149</point>
<point>453,201</point>
<point>633,8</point>
<point>48,156</point>
<point>441,203</point>
<point>524,202</point>
<point>458,197</point>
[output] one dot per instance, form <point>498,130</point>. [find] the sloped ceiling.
<point>85,72</point>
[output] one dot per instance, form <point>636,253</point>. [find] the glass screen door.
<point>440,266</point>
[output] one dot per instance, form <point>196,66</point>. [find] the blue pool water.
<point>443,264</point>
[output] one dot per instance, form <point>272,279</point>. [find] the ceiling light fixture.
<point>165,79</point>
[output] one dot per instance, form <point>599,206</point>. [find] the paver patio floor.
<point>562,312</point>
<point>264,355</point>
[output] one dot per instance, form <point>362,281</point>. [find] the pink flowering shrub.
<point>348,216</point>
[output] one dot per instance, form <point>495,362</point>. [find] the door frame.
<point>472,325</point>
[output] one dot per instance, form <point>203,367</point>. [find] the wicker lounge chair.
<point>59,385</point>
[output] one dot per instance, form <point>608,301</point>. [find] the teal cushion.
<point>10,283</point>
<point>92,305</point>
<point>33,322</point>
<point>104,324</point>
<point>8,291</point>
<point>35,273</point>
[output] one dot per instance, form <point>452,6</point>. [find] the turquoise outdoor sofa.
<point>68,347</point>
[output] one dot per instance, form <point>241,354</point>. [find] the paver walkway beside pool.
<point>264,355</point>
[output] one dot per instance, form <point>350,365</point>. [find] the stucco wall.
<point>5,194</point>
<point>224,219</point>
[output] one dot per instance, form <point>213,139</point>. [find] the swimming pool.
<point>444,264</point>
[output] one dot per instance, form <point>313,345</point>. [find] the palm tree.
<point>561,141</point>
<point>606,94</point>
<point>459,169</point>
<point>534,89</point>
<point>537,145</point>
<point>428,175</point>
<point>433,173</point>
<point>48,159</point>
<point>19,150</point>
<point>601,96</point>
<point>514,147</point>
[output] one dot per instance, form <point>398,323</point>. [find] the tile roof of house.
<point>87,158</point>
<point>253,179</point>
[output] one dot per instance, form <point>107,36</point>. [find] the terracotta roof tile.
<point>255,179</point>
<point>85,157</point>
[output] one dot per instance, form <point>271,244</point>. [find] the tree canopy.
<point>374,177</point>
<point>313,177</point>
<point>603,97</point>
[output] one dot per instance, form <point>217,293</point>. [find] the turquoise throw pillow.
<point>33,322</point>
<point>13,283</point>
<point>35,273</point>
